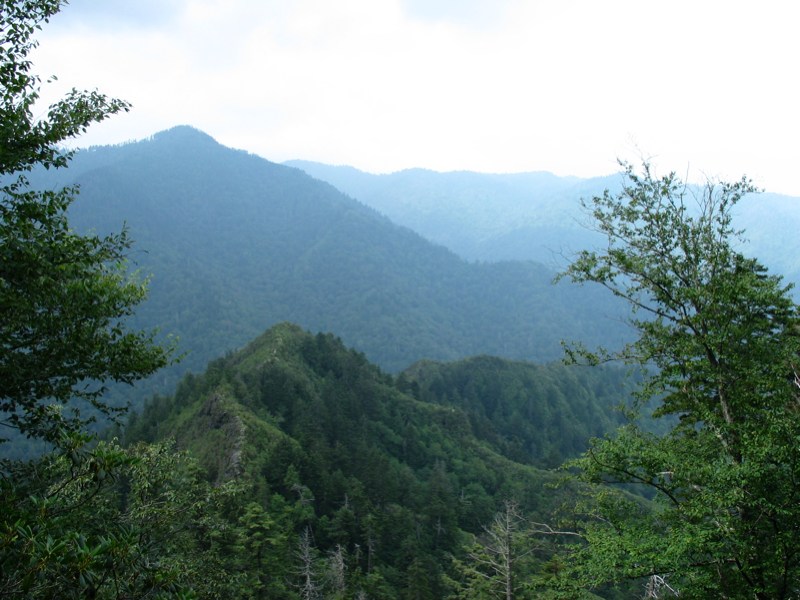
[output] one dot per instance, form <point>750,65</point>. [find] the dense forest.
<point>332,423</point>
<point>532,216</point>
<point>234,244</point>
<point>397,475</point>
<point>479,216</point>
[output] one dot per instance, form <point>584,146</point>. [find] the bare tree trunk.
<point>498,555</point>
<point>338,571</point>
<point>309,589</point>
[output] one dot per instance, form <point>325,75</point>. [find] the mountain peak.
<point>183,134</point>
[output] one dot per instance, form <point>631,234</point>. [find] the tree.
<point>309,587</point>
<point>718,340</point>
<point>64,297</point>
<point>496,559</point>
<point>133,523</point>
<point>66,529</point>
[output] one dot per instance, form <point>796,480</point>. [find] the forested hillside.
<point>534,414</point>
<point>392,484</point>
<point>389,457</point>
<point>235,243</point>
<point>532,216</point>
<point>479,216</point>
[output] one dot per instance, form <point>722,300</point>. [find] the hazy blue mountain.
<point>771,223</point>
<point>235,243</point>
<point>484,217</point>
<point>533,216</point>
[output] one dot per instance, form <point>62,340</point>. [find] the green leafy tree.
<point>123,523</point>
<point>64,297</point>
<point>719,341</point>
<point>67,529</point>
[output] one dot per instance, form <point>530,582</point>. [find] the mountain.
<point>534,216</point>
<point>533,414</point>
<point>234,244</point>
<point>479,216</point>
<point>321,440</point>
<point>770,223</point>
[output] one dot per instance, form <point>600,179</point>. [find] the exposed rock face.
<point>226,460</point>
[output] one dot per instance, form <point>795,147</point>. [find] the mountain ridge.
<point>326,442</point>
<point>235,243</point>
<point>479,216</point>
<point>534,216</point>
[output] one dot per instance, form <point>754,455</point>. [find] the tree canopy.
<point>66,528</point>
<point>718,337</point>
<point>64,296</point>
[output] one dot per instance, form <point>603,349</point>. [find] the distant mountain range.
<point>534,216</point>
<point>480,217</point>
<point>235,244</point>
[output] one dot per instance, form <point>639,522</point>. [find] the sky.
<point>705,88</point>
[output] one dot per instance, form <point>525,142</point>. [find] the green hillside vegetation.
<point>479,216</point>
<point>719,334</point>
<point>531,413</point>
<point>326,442</point>
<point>298,468</point>
<point>532,216</point>
<point>235,244</point>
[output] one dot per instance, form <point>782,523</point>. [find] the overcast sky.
<point>702,87</point>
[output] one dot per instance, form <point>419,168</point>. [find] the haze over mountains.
<point>409,467</point>
<point>533,216</point>
<point>396,472</point>
<point>479,216</point>
<point>236,243</point>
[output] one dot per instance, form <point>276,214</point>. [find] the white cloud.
<point>566,85</point>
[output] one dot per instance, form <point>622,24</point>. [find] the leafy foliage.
<point>722,337</point>
<point>64,296</point>
<point>116,523</point>
<point>67,528</point>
